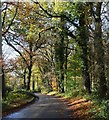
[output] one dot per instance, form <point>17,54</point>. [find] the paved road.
<point>46,107</point>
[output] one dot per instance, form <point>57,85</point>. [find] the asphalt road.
<point>46,107</point>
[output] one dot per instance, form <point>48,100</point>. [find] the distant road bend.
<point>46,107</point>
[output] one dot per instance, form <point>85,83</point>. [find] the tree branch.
<point>16,50</point>
<point>11,22</point>
<point>21,46</point>
<point>57,16</point>
<point>4,16</point>
<point>38,46</point>
<point>45,30</point>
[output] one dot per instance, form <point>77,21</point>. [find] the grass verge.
<point>17,100</point>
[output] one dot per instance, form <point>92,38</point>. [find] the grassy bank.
<point>16,100</point>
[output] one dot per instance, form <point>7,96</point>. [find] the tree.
<point>0,55</point>
<point>25,37</point>
<point>83,45</point>
<point>83,42</point>
<point>100,50</point>
<point>5,28</point>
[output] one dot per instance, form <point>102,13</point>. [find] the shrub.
<point>102,110</point>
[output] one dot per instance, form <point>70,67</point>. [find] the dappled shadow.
<point>79,108</point>
<point>77,102</point>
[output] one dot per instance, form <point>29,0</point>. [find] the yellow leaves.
<point>32,32</point>
<point>55,19</point>
<point>59,6</point>
<point>54,84</point>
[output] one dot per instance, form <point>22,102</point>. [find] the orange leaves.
<point>54,84</point>
<point>80,108</point>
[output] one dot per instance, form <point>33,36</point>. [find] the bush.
<point>102,110</point>
<point>8,89</point>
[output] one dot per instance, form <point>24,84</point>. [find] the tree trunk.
<point>29,76</point>
<point>83,43</point>
<point>24,76</point>
<point>33,85</point>
<point>62,82</point>
<point>30,65</point>
<point>3,84</point>
<point>86,76</point>
<point>66,61</point>
<point>61,58</point>
<point>100,52</point>
<point>107,69</point>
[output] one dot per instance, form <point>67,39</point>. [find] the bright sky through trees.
<point>8,52</point>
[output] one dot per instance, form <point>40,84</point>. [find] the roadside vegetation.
<point>16,100</point>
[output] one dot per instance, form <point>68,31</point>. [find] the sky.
<point>8,52</point>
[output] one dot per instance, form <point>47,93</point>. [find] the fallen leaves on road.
<point>79,107</point>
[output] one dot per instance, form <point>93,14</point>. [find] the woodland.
<point>61,46</point>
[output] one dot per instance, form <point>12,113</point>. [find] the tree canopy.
<point>62,46</point>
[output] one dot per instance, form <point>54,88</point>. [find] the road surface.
<point>46,107</point>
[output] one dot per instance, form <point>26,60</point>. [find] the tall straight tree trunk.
<point>85,72</point>
<point>83,43</point>
<point>62,80</point>
<point>62,62</point>
<point>100,51</point>
<point>92,62</point>
<point>30,66</point>
<point>59,54</point>
<point>66,61</point>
